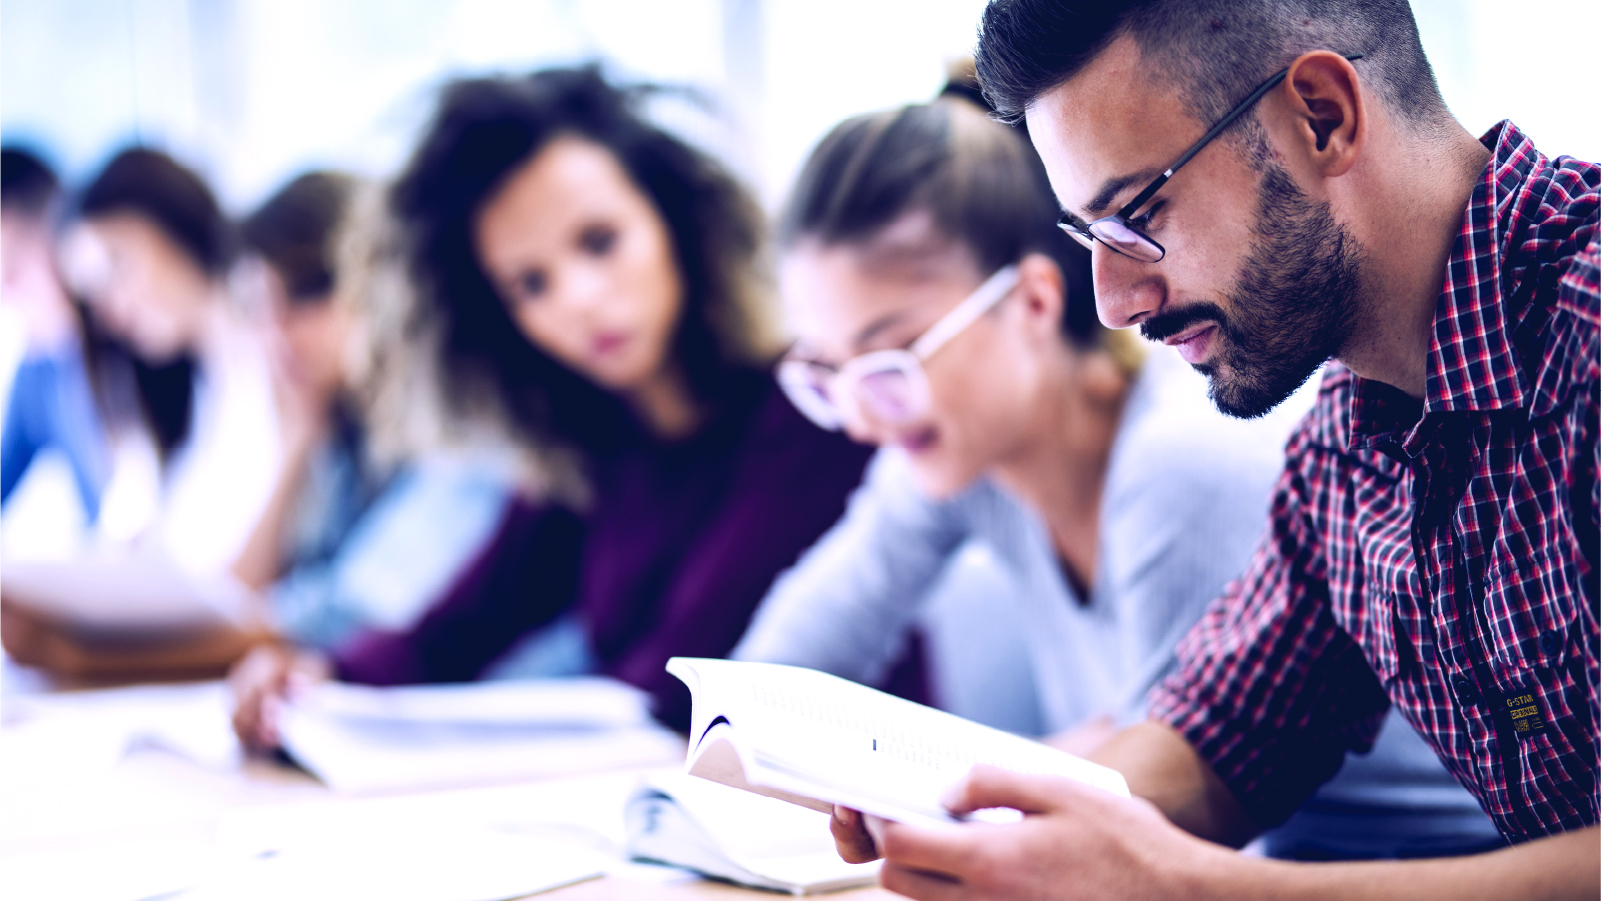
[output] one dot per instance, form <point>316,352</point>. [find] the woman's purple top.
<point>681,544</point>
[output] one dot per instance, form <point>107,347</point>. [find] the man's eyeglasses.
<point>1116,232</point>
<point>890,384</point>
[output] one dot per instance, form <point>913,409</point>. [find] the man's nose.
<point>1127,291</point>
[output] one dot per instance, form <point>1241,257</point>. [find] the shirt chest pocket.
<point>1532,604</point>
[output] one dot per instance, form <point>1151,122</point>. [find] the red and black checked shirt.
<point>1439,555</point>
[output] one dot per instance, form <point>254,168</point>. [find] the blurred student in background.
<point>50,406</point>
<point>346,540</point>
<point>354,536</point>
<point>602,279</point>
<point>943,316</point>
<point>185,397</point>
<point>197,445</point>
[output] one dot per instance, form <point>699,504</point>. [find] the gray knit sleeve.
<point>847,605</point>
<point>1186,504</point>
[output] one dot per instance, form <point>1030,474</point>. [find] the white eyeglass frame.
<point>830,410</point>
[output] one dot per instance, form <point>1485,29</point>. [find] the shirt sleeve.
<point>398,557</point>
<point>525,577</point>
<point>19,441</point>
<point>848,605</point>
<point>1191,503</point>
<point>1580,293</point>
<point>1268,688</point>
<point>788,487</point>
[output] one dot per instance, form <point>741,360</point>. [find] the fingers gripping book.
<point>817,740</point>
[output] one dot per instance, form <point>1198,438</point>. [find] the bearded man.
<point>1268,184</point>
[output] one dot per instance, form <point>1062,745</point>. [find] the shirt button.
<point>1467,692</point>
<point>1550,642</point>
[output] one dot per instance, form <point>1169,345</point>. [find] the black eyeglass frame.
<point>1085,234</point>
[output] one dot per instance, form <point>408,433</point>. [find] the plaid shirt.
<point>1439,555</point>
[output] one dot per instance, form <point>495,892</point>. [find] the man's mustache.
<point>1163,326</point>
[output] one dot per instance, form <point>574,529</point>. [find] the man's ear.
<point>1326,105</point>
<point>1040,286</point>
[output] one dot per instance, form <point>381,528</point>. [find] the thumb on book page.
<point>990,786</point>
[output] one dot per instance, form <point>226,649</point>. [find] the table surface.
<point>86,787</point>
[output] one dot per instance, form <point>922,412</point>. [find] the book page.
<point>556,704</point>
<point>738,835</point>
<point>126,597</point>
<point>802,729</point>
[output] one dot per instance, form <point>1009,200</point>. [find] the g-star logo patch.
<point>1527,718</point>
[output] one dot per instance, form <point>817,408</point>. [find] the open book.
<point>817,740</point>
<point>743,838</point>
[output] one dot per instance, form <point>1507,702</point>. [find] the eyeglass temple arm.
<point>977,304</point>
<point>1217,129</point>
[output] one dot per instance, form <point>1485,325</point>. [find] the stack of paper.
<point>744,838</point>
<point>360,739</point>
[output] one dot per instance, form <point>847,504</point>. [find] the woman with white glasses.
<point>942,315</point>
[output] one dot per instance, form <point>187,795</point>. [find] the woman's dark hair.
<point>981,182</point>
<point>488,128</point>
<point>27,184</point>
<point>295,231</point>
<point>128,388</point>
<point>151,184</point>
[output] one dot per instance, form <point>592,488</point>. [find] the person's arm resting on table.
<point>1078,842</point>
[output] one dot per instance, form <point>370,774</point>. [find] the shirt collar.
<point>1472,362</point>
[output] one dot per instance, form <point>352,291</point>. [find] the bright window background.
<point>252,91</point>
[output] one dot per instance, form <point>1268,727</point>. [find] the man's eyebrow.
<point>1113,187</point>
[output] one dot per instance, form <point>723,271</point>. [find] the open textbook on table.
<point>817,740</point>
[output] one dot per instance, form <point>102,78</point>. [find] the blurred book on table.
<point>365,739</point>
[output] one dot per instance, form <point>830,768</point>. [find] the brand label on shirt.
<point>1527,717</point>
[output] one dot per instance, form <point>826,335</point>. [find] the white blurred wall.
<point>251,91</point>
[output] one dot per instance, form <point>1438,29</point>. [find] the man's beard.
<point>1294,303</point>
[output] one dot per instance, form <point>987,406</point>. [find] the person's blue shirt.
<point>52,406</point>
<point>368,551</point>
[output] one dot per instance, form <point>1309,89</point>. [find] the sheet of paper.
<point>190,719</point>
<point>129,872</point>
<point>459,864</point>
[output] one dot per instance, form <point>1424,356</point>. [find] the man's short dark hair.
<point>1214,51</point>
